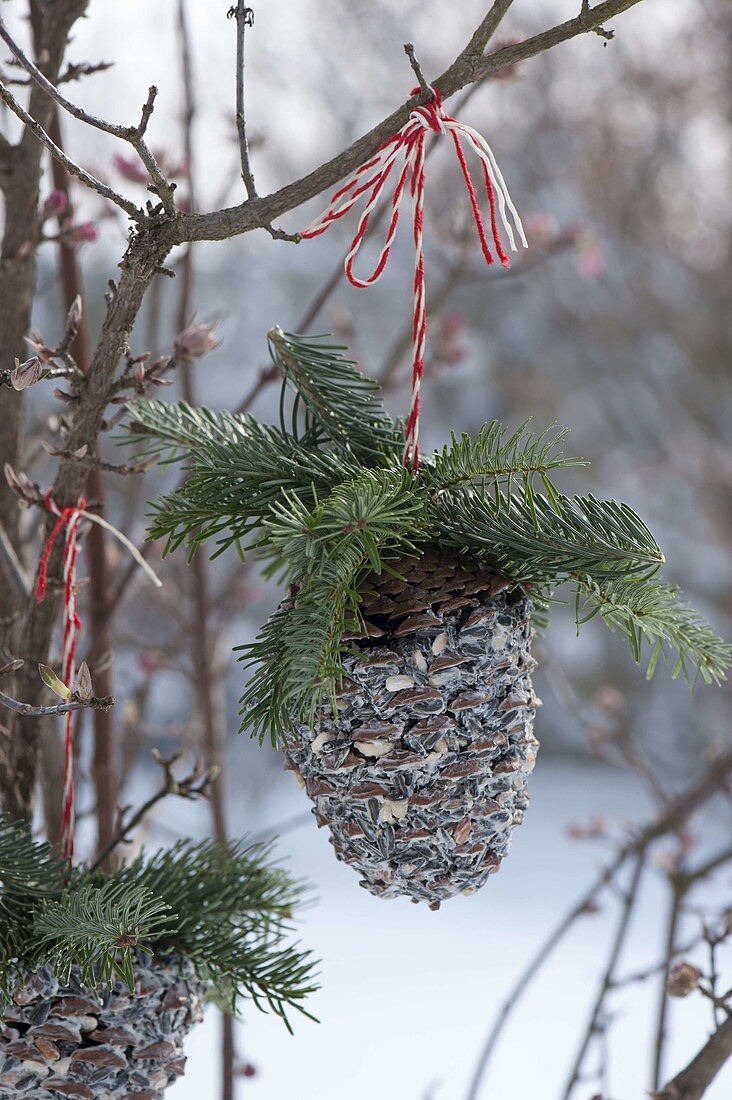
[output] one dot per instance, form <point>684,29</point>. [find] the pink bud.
<point>683,979</point>
<point>55,205</point>
<point>509,71</point>
<point>130,168</point>
<point>197,340</point>
<point>450,346</point>
<point>84,233</point>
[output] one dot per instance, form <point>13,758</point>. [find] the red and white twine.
<point>407,146</point>
<point>68,521</point>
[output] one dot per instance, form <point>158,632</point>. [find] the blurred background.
<point>617,324</point>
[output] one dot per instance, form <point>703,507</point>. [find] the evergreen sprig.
<point>96,927</point>
<point>338,399</point>
<point>545,539</point>
<point>651,612</point>
<point>323,501</point>
<point>234,907</point>
<point>228,909</point>
<point>493,456</point>
<point>326,553</point>
<point>238,471</point>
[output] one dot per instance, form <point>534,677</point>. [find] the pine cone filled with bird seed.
<point>421,776</point>
<point>71,1041</point>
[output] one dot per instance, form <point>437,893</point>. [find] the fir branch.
<point>493,456</point>
<point>651,612</point>
<point>29,872</point>
<point>28,867</point>
<point>344,403</point>
<point>96,927</point>
<point>234,906</point>
<point>376,511</point>
<point>295,661</point>
<point>238,470</point>
<point>173,431</point>
<point>327,554</point>
<point>541,539</point>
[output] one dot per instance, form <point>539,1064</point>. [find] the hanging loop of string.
<point>67,521</point>
<point>406,149</point>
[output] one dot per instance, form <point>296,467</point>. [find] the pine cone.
<point>76,1042</point>
<point>421,777</point>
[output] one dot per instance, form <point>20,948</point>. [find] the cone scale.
<point>70,1041</point>
<point>421,775</point>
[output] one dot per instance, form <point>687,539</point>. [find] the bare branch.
<point>477,44</point>
<point>193,786</point>
<point>672,923</point>
<point>715,778</point>
<point>593,1024</point>
<point>71,167</point>
<point>30,711</point>
<point>132,134</point>
<point>244,17</point>
<point>417,69</point>
<point>693,1082</point>
<point>471,65</point>
<point>13,565</point>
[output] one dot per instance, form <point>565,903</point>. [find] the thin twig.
<point>707,868</point>
<point>97,463</point>
<point>244,17</point>
<point>29,711</point>
<point>629,900</point>
<point>202,638</point>
<point>417,68</point>
<point>672,923</point>
<point>193,786</point>
<point>71,167</point>
<point>132,134</point>
<point>13,565</point>
<point>679,809</point>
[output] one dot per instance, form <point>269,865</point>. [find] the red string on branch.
<point>408,147</point>
<point>67,521</point>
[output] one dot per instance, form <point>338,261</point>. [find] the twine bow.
<point>67,520</point>
<point>407,146</point>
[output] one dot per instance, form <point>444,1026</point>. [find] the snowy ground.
<point>407,994</point>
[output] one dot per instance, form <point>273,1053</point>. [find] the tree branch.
<point>132,134</point>
<point>13,565</point>
<point>693,1082</point>
<point>477,44</point>
<point>71,167</point>
<point>593,1024</point>
<point>30,711</point>
<point>678,810</point>
<point>194,785</point>
<point>244,17</point>
<point>469,67</point>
